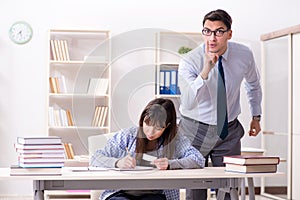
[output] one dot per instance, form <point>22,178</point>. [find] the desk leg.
<point>221,194</point>
<point>38,189</point>
<point>243,189</point>
<point>251,189</point>
<point>234,195</point>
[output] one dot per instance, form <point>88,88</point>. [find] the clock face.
<point>20,32</point>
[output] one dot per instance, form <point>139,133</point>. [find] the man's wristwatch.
<point>257,118</point>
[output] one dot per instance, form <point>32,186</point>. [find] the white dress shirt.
<point>199,97</point>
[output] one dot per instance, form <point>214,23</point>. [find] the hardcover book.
<point>251,168</point>
<point>39,140</point>
<point>251,160</point>
<point>39,146</point>
<point>16,170</point>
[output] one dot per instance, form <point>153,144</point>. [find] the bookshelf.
<point>167,58</point>
<point>280,50</point>
<point>79,84</point>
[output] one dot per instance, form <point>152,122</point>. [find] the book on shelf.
<point>57,84</point>
<point>59,50</point>
<point>251,159</point>
<point>39,140</point>
<point>53,51</point>
<point>257,168</point>
<point>98,86</point>
<point>53,85</point>
<point>16,170</point>
<point>60,117</point>
<point>70,118</point>
<point>69,152</point>
<point>100,115</point>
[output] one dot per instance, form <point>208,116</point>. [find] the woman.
<point>156,136</point>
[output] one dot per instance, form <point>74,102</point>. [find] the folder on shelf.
<point>162,82</point>
<point>169,81</point>
<point>173,82</point>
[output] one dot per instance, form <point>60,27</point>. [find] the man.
<point>209,121</point>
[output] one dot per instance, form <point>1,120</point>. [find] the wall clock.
<point>20,32</point>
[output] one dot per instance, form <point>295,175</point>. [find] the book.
<point>100,116</point>
<point>41,160</point>
<point>251,159</point>
<point>16,170</point>
<point>41,164</point>
<point>39,147</point>
<point>40,151</point>
<point>53,51</point>
<point>269,168</point>
<point>39,140</point>
<point>70,118</point>
<point>69,150</point>
<point>98,86</point>
<point>66,50</point>
<point>41,155</point>
<point>53,85</point>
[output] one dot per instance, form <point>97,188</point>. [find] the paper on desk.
<point>149,157</point>
<point>86,169</point>
<point>137,168</point>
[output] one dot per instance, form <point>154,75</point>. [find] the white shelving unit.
<point>167,61</point>
<point>76,57</point>
<point>281,129</point>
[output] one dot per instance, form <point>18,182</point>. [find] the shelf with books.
<point>79,82</point>
<point>170,49</point>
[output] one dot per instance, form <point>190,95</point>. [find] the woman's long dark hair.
<point>161,113</point>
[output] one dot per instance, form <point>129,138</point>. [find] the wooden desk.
<point>210,177</point>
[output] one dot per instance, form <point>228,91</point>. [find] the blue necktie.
<point>222,119</point>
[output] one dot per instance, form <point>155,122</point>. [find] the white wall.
<point>23,74</point>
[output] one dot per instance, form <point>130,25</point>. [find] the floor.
<point>257,197</point>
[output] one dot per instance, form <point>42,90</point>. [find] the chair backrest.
<point>98,141</point>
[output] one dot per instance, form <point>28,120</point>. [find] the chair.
<point>97,142</point>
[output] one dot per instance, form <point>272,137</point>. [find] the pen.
<point>127,150</point>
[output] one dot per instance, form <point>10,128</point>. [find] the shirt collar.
<point>225,55</point>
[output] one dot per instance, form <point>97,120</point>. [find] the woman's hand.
<point>126,163</point>
<point>161,163</point>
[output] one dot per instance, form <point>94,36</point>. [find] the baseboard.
<point>270,190</point>
<point>15,196</point>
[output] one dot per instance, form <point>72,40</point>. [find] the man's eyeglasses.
<point>218,32</point>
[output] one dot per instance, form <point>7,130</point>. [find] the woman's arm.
<point>187,156</point>
<point>114,149</point>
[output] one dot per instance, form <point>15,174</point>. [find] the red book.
<point>251,160</point>
<point>251,168</point>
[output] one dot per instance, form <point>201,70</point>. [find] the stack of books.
<point>251,163</point>
<point>40,152</point>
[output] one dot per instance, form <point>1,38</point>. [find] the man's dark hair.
<point>219,15</point>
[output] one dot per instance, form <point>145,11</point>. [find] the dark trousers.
<point>123,196</point>
<point>204,138</point>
